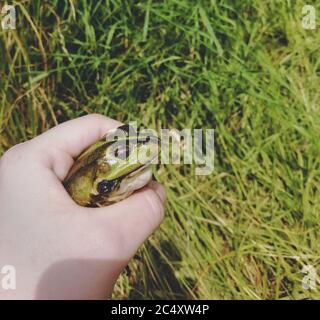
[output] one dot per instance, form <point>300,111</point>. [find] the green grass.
<point>245,68</point>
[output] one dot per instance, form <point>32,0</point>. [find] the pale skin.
<point>59,249</point>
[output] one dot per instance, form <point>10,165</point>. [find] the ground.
<point>245,68</point>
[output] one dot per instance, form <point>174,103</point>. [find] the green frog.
<point>113,168</point>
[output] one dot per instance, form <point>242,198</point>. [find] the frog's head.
<point>113,168</point>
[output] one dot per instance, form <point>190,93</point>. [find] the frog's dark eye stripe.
<point>106,186</point>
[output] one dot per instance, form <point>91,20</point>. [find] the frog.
<point>113,168</point>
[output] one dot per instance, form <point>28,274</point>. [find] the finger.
<point>134,218</point>
<point>61,144</point>
<point>74,136</point>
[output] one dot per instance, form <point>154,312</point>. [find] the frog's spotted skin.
<point>108,171</point>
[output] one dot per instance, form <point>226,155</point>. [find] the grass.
<point>247,69</point>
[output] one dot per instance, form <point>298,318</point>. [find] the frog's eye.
<point>107,186</point>
<point>122,152</point>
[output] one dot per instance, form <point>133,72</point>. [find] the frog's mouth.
<point>135,180</point>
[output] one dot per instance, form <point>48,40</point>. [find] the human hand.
<point>59,249</point>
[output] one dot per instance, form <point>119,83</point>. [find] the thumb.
<point>135,218</point>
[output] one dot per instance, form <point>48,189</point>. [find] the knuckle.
<point>96,116</point>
